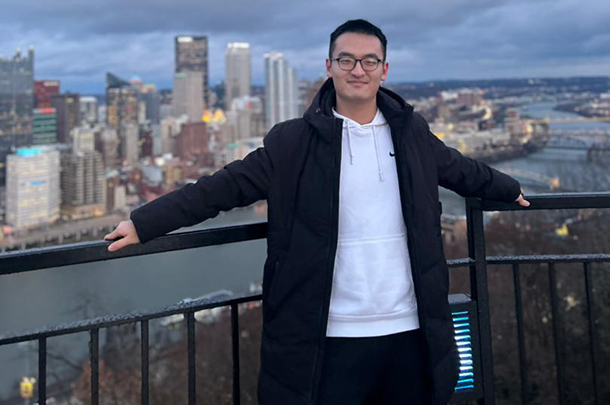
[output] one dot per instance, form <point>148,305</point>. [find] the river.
<point>52,296</point>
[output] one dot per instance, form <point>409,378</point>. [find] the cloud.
<point>77,42</point>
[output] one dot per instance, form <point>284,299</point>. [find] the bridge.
<point>566,120</point>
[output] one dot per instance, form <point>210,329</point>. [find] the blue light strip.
<point>463,339</point>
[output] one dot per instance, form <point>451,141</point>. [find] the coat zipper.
<point>415,262</point>
<point>332,250</point>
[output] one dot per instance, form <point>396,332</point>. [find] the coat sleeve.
<point>468,177</point>
<point>238,184</point>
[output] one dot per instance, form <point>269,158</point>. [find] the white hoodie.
<point>372,292</point>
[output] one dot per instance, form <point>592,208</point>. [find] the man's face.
<point>357,85</point>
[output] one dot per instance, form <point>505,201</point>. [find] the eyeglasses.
<point>368,64</point>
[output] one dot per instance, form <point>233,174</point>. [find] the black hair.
<point>358,27</point>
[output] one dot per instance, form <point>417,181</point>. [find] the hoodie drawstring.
<point>349,143</point>
<point>377,155</point>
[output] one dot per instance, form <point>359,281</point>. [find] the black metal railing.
<point>480,290</point>
<point>483,387</point>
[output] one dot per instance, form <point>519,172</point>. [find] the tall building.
<point>237,71</point>
<point>67,107</point>
<point>169,131</point>
<point>191,55</point>
<point>44,90</point>
<point>152,102</point>
<point>129,144</point>
<point>32,187</point>
<point>88,110</point>
<point>83,139</point>
<point>121,109</point>
<point>281,96</point>
<point>193,141</point>
<point>83,185</point>
<point>107,143</point>
<point>187,99</point>
<point>246,119</point>
<point>121,102</point>
<point>16,104</point>
<point>44,127</point>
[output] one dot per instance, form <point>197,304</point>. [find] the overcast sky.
<point>78,41</point>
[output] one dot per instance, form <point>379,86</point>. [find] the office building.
<point>44,90</point>
<point>129,144</point>
<point>121,102</point>
<point>67,108</point>
<point>107,143</point>
<point>83,139</point>
<point>169,131</point>
<point>281,96</point>
<point>32,187</point>
<point>246,118</point>
<point>152,103</point>
<point>44,126</point>
<point>121,111</point>
<point>16,104</point>
<point>83,185</point>
<point>187,99</point>
<point>191,55</point>
<point>193,141</point>
<point>237,72</point>
<point>88,110</point>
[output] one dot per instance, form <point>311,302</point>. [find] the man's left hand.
<point>522,201</point>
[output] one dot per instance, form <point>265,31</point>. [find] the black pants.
<point>380,370</point>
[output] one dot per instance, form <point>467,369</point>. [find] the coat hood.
<point>320,114</point>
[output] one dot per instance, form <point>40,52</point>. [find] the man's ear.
<point>329,73</point>
<point>386,67</point>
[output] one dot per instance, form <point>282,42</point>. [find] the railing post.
<point>235,351</point>
<point>479,293</point>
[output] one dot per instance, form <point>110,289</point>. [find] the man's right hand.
<point>124,234</point>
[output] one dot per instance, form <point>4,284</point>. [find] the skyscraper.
<point>121,102</point>
<point>88,110</point>
<point>237,72</point>
<point>32,187</point>
<point>281,96</point>
<point>121,112</point>
<point>83,185</point>
<point>44,90</point>
<point>129,146</point>
<point>83,139</point>
<point>191,55</point>
<point>187,99</point>
<point>67,108</point>
<point>152,100</point>
<point>16,104</point>
<point>246,118</point>
<point>44,128</point>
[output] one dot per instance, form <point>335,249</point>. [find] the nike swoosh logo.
<point>392,154</point>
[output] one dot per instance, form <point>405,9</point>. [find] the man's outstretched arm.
<point>238,184</point>
<point>470,178</point>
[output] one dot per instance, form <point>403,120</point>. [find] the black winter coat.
<point>297,172</point>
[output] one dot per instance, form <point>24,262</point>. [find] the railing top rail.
<point>88,252</point>
<point>132,317</point>
<point>546,202</point>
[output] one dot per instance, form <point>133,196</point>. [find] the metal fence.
<point>471,314</point>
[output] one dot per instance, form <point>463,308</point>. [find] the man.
<point>355,284</point>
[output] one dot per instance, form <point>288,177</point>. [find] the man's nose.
<point>357,70</point>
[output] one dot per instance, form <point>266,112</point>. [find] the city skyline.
<point>444,40</point>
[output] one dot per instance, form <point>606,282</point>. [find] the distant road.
<point>63,231</point>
